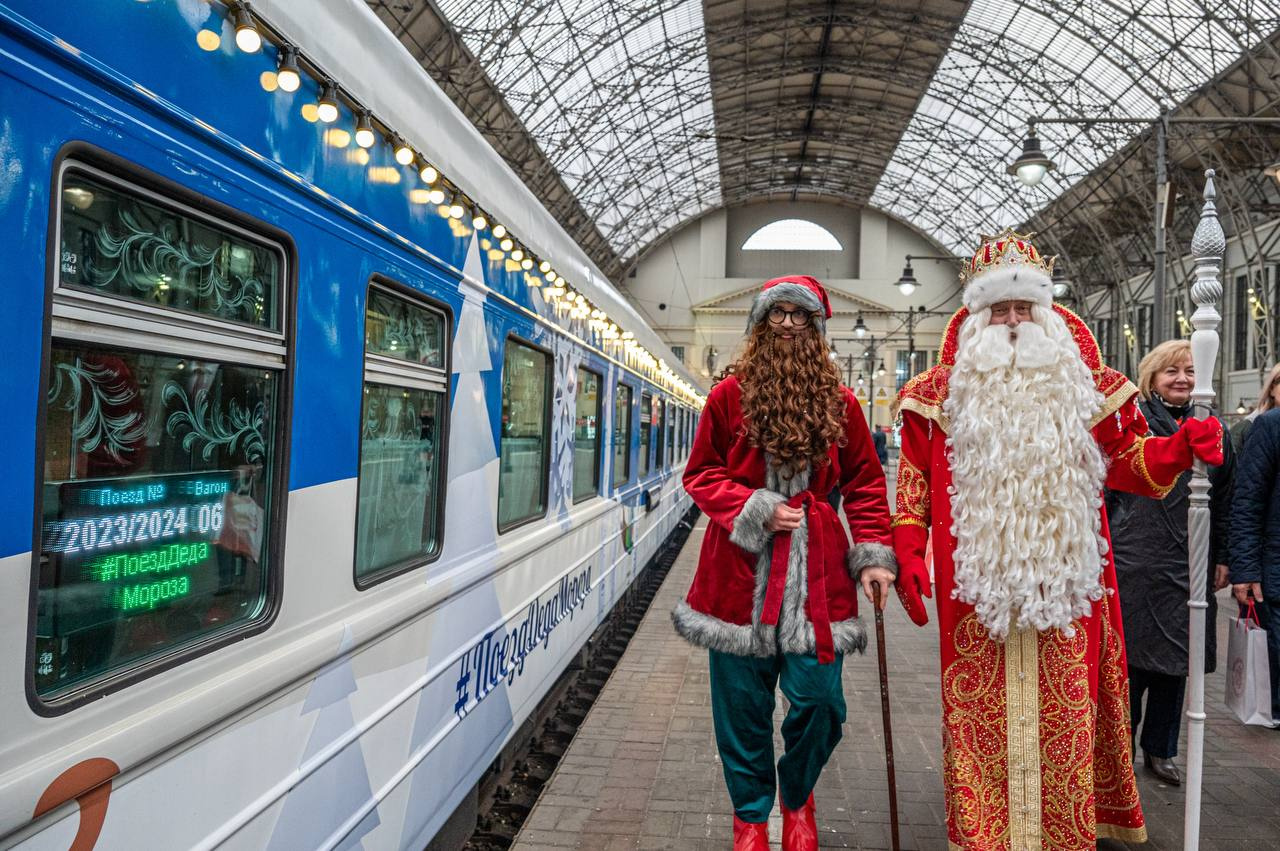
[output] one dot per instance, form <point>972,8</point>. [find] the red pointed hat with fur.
<point>801,290</point>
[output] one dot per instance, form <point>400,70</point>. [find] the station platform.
<point>643,773</point>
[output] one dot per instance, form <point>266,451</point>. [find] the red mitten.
<point>1205,439</point>
<point>913,585</point>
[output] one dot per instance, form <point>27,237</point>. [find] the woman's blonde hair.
<point>1167,354</point>
<point>1265,402</point>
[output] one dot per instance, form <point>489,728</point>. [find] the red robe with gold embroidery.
<point>1036,747</point>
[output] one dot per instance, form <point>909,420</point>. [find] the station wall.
<point>695,287</point>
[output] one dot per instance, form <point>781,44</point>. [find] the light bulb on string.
<point>287,76</point>
<point>479,222</point>
<point>248,39</point>
<point>544,267</point>
<point>517,255</point>
<point>327,103</point>
<point>506,244</point>
<point>456,210</point>
<point>436,196</point>
<point>364,131</point>
<point>428,174</point>
<point>526,264</point>
<point>499,231</point>
<point>404,154</point>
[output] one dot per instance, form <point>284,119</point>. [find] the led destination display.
<point>132,545</point>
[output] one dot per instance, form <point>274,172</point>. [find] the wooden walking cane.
<point>888,729</point>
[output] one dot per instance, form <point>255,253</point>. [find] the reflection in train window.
<point>156,504</point>
<point>526,434</point>
<point>671,434</point>
<point>658,427</point>
<point>401,429</point>
<point>586,436</point>
<point>646,427</point>
<point>621,435</point>
<point>160,451</point>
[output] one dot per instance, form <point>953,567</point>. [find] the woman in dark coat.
<point>1255,536</point>
<point>1149,538</point>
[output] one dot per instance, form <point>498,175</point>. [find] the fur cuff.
<point>862,556</point>
<point>702,630</point>
<point>748,529</point>
<point>1019,282</point>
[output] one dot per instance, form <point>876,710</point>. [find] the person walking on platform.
<point>1149,537</point>
<point>1006,446</point>
<point>1255,536</point>
<point>774,598</point>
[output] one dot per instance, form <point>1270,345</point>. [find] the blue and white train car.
<point>315,485</point>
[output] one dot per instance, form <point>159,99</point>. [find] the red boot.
<point>800,828</point>
<point>751,836</point>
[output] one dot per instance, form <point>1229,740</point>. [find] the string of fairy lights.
<point>252,33</point>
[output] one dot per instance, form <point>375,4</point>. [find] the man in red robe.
<point>1006,446</point>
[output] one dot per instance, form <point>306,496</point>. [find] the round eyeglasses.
<point>799,317</point>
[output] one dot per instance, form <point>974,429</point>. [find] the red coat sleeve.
<point>1141,464</point>
<point>862,486</point>
<point>706,474</point>
<point>912,513</point>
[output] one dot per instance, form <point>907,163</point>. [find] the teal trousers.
<point>742,701</point>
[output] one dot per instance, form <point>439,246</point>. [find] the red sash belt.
<point>815,513</point>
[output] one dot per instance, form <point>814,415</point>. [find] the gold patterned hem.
<point>1124,834</point>
<point>907,520</point>
<point>929,412</point>
<point>1022,690</point>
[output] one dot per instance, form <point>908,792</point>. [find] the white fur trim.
<point>748,530</point>
<point>871,554</point>
<point>1018,282</point>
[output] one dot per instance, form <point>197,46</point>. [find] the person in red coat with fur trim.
<point>774,598</point>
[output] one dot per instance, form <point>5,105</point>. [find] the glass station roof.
<point>619,97</point>
<point>1044,58</point>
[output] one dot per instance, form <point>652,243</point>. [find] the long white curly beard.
<point>1027,474</point>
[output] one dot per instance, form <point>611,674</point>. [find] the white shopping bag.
<point>1248,673</point>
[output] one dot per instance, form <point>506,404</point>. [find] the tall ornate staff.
<point>1208,245</point>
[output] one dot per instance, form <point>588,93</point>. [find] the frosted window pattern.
<point>119,244</point>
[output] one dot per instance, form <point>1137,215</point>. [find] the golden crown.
<point>1007,248</point>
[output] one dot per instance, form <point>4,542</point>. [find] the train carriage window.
<point>586,436</point>
<point>671,435</point>
<point>162,435</point>
<point>659,432</point>
<point>646,429</point>
<point>526,434</point>
<point>402,421</point>
<point>621,435</point>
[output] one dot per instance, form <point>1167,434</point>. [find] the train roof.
<point>348,41</point>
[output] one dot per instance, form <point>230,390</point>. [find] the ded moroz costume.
<point>780,606</point>
<point>1006,446</point>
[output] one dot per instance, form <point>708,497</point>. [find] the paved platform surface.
<point>642,772</point>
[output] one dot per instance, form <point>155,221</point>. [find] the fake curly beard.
<point>1027,475</point>
<point>791,397</point>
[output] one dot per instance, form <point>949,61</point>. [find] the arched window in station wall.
<point>792,235</point>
